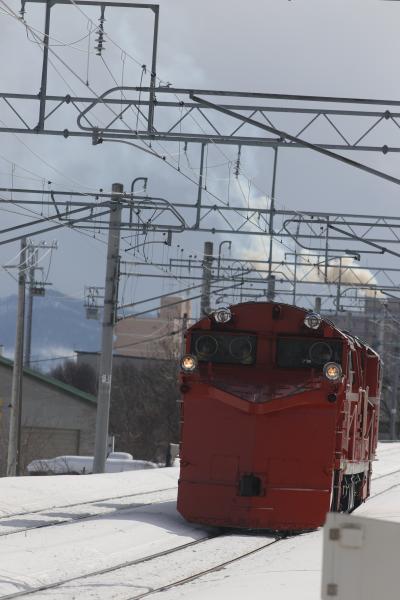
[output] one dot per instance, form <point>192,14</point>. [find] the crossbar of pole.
<point>312,214</point>
<point>93,3</point>
<point>199,138</point>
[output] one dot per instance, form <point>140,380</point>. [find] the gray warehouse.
<point>57,419</point>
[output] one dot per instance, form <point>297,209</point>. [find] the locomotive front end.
<point>263,390</point>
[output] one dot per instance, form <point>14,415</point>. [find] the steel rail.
<point>123,565</point>
<point>75,518</point>
<point>221,565</point>
<point>75,504</point>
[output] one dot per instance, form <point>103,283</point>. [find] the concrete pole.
<point>381,331</point>
<point>109,314</point>
<point>184,329</point>
<point>207,275</point>
<point>271,288</point>
<point>393,408</point>
<point>271,278</point>
<point>29,313</point>
<point>14,437</point>
<point>338,289</point>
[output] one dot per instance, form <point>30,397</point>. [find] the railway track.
<point>87,510</point>
<point>212,547</point>
<point>378,479</point>
<point>126,564</point>
<point>156,572</point>
<point>74,504</point>
<point>213,569</point>
<point>82,511</point>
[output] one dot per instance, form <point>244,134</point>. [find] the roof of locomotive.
<point>247,312</point>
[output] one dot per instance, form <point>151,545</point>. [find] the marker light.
<point>222,315</point>
<point>332,371</point>
<point>188,363</point>
<point>312,320</point>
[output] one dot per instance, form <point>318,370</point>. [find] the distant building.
<point>57,419</point>
<point>154,337</point>
<point>379,325</point>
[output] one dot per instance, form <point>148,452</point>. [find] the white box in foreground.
<point>360,558</point>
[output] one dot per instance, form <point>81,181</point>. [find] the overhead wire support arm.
<point>282,135</point>
<point>150,121</point>
<point>43,85</point>
<point>46,37</point>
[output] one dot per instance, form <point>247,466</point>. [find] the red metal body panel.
<point>301,451</point>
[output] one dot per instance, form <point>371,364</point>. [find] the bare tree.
<point>144,414</point>
<point>81,376</point>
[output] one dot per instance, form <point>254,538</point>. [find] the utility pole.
<point>14,438</point>
<point>393,408</point>
<point>271,278</point>
<point>381,331</point>
<point>109,317</point>
<point>184,329</point>
<point>338,290</point>
<point>207,276</point>
<point>28,339</point>
<point>35,288</point>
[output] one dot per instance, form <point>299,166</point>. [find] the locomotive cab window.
<point>299,353</point>
<point>224,347</point>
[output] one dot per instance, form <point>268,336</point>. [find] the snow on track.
<point>287,570</point>
<point>65,514</point>
<point>45,556</point>
<point>280,569</point>
<point>20,495</point>
<point>160,572</point>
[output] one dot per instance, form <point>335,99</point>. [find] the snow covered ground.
<point>118,536</point>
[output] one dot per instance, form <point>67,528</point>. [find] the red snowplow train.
<point>279,419</point>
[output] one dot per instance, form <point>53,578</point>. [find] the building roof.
<point>126,357</point>
<point>69,389</point>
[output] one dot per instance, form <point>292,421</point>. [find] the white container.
<point>360,558</point>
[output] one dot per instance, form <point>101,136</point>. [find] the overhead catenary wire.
<point>177,168</point>
<point>126,54</point>
<point>138,62</point>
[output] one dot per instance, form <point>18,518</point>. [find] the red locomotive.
<point>279,419</point>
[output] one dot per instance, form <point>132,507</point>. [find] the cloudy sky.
<point>346,48</point>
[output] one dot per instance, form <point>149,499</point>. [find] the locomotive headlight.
<point>332,371</point>
<point>222,315</point>
<point>188,363</point>
<point>312,320</point>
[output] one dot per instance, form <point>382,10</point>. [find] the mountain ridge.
<point>59,326</point>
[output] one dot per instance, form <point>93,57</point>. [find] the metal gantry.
<point>319,244</point>
<point>144,115</point>
<point>354,234</point>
